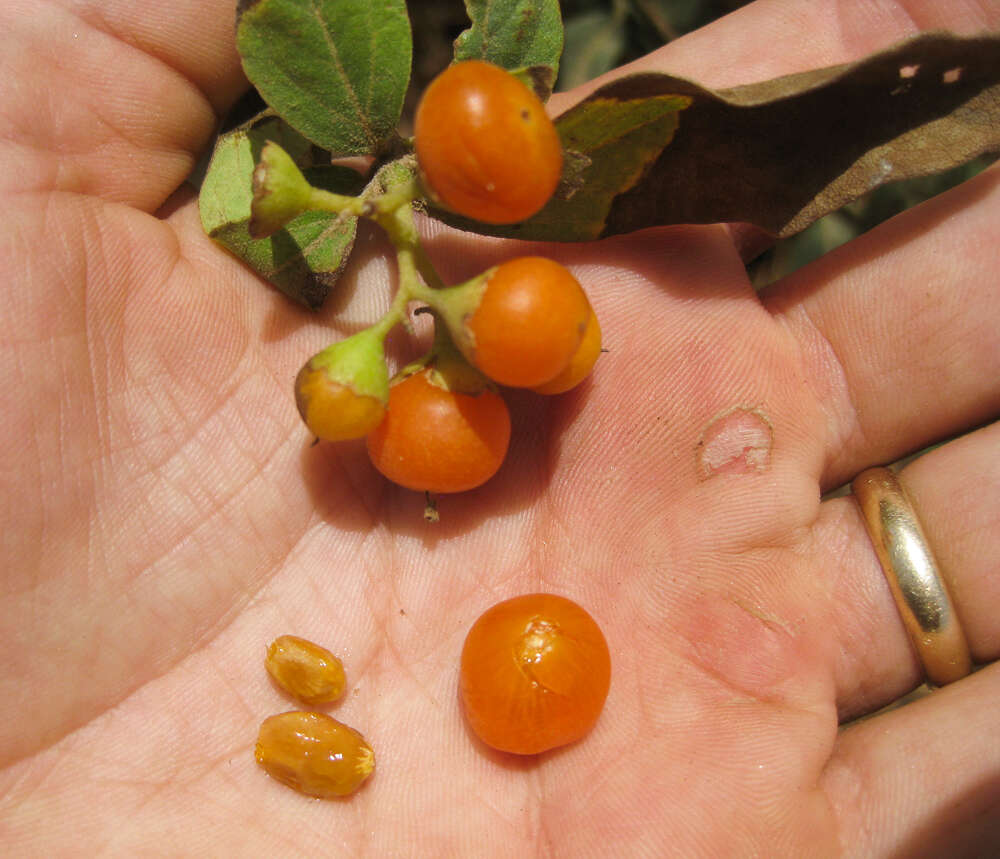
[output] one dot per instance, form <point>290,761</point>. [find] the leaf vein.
<point>352,93</point>
<point>305,250</point>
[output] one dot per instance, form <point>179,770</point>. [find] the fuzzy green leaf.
<point>514,34</point>
<point>335,70</point>
<point>305,258</point>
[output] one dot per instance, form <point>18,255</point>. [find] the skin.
<point>164,515</point>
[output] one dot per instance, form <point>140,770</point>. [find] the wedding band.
<point>913,575</point>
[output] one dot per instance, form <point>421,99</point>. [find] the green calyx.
<point>357,363</point>
<point>280,192</point>
<point>454,305</point>
<point>453,373</point>
<point>447,367</point>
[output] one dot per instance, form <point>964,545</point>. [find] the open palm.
<point>165,517</point>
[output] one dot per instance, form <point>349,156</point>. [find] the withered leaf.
<point>782,153</point>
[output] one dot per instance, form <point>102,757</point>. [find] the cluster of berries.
<point>487,150</point>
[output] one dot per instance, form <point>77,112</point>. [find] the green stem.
<point>402,231</point>
<point>326,201</point>
<point>376,208</point>
<point>397,197</point>
<point>393,211</point>
<point>393,316</point>
<point>412,265</point>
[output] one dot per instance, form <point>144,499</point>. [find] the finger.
<point>812,35</point>
<point>955,491</point>
<point>921,780</point>
<point>113,99</point>
<point>899,330</point>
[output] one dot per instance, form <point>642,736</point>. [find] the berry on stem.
<point>485,145</point>
<point>580,364</point>
<point>521,322</point>
<point>342,392</point>
<point>446,429</point>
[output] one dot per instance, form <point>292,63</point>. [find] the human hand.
<point>165,516</point>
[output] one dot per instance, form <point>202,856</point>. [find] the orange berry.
<point>529,322</point>
<point>580,364</point>
<point>437,440</point>
<point>485,145</point>
<point>341,392</point>
<point>334,411</point>
<point>535,672</point>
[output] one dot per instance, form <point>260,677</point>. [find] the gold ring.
<point>914,576</point>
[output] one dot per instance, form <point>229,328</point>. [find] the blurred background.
<point>603,34</point>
